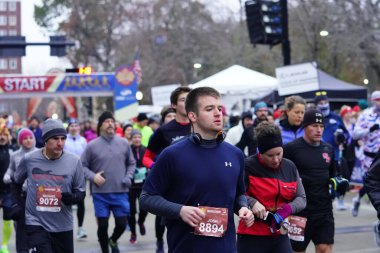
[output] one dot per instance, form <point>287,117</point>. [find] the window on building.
<point>12,6</point>
<point>3,32</point>
<point>3,64</point>
<point>12,20</point>
<point>3,20</point>
<point>3,6</point>
<point>12,32</point>
<point>12,63</point>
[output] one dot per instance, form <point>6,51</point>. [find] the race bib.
<point>214,223</point>
<point>296,229</point>
<point>140,175</point>
<point>48,199</point>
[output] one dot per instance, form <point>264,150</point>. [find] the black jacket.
<point>372,184</point>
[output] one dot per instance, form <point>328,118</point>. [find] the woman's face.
<point>169,117</point>
<point>273,157</point>
<point>127,133</point>
<point>295,115</point>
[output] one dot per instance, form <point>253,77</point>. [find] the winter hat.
<point>363,104</point>
<point>321,97</point>
<point>134,132</point>
<point>105,115</point>
<point>142,116</point>
<point>375,95</point>
<point>260,105</point>
<point>52,128</point>
<point>313,116</point>
<point>24,133</point>
<point>72,121</point>
<point>246,114</point>
<point>345,109</point>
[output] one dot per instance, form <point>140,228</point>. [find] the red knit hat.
<point>344,110</point>
<point>24,133</point>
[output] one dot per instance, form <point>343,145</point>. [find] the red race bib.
<point>214,223</point>
<point>296,229</point>
<point>48,199</point>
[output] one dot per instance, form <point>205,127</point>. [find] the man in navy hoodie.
<point>197,183</point>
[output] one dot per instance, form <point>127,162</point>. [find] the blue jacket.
<point>288,132</point>
<point>334,122</point>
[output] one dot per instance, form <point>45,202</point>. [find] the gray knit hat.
<point>52,128</point>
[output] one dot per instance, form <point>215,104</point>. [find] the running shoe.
<point>133,239</point>
<point>340,204</point>
<point>81,233</point>
<point>355,207</point>
<point>142,229</point>
<point>376,233</point>
<point>114,247</point>
<point>160,247</point>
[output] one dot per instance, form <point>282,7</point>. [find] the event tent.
<point>337,90</point>
<point>238,83</point>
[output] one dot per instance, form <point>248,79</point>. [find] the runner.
<point>109,164</point>
<point>315,163</point>
<point>273,185</point>
<point>197,183</point>
<point>55,182</point>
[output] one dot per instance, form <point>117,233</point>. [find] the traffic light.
<point>55,48</point>
<point>12,46</point>
<point>87,70</point>
<point>265,21</point>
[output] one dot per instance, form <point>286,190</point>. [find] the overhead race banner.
<point>118,85</point>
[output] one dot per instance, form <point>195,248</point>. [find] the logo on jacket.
<point>228,164</point>
<point>326,157</point>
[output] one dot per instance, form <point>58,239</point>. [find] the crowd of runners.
<point>194,166</point>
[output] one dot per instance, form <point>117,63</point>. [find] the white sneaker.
<point>355,207</point>
<point>81,233</point>
<point>340,204</point>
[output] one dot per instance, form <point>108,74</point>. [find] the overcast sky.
<point>38,60</point>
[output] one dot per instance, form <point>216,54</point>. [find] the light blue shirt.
<point>75,145</point>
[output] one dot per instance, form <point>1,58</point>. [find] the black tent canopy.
<point>338,91</point>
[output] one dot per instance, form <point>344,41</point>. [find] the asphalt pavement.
<point>353,235</point>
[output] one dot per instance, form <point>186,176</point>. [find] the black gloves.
<point>338,186</point>
<point>374,128</point>
<point>72,198</point>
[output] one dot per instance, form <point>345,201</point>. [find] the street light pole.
<point>285,34</point>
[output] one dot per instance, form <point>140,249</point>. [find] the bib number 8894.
<point>208,227</point>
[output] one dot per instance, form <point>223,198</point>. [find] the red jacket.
<point>271,187</point>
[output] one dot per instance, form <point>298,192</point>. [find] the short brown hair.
<point>178,91</point>
<point>191,103</point>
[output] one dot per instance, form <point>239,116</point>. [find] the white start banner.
<point>297,78</point>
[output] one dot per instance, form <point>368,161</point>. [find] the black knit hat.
<point>105,115</point>
<point>142,116</point>
<point>313,116</point>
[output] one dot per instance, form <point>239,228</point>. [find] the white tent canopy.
<point>237,83</point>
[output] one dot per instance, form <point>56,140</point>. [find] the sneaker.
<point>160,247</point>
<point>4,249</point>
<point>340,204</point>
<point>133,239</point>
<point>376,233</point>
<point>114,247</point>
<point>142,229</point>
<point>81,233</point>
<point>355,207</point>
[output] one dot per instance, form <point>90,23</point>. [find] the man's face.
<point>180,106</point>
<point>209,118</point>
<point>28,142</point>
<point>313,132</point>
<point>55,145</point>
<point>34,123</point>
<point>108,127</point>
<point>247,122</point>
<point>262,114</point>
<point>74,129</point>
<point>143,123</point>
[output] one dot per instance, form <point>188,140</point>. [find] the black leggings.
<point>42,241</point>
<point>160,228</point>
<point>80,213</point>
<point>120,224</point>
<point>263,244</point>
<point>134,194</point>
